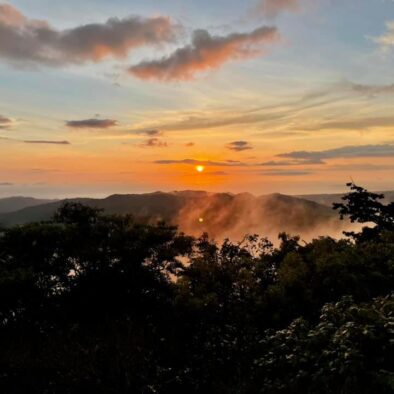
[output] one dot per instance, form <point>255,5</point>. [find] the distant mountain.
<point>329,199</point>
<point>12,204</point>
<point>220,214</point>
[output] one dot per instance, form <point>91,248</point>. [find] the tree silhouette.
<point>362,206</point>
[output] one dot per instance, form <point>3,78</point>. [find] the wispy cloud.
<point>154,143</point>
<point>91,123</point>
<point>385,150</point>
<point>272,8</point>
<point>30,41</point>
<point>280,172</point>
<point>50,142</point>
<point>227,163</point>
<point>366,90</point>
<point>239,146</point>
<point>206,52</point>
<point>386,40</point>
<point>6,184</point>
<point>353,124</point>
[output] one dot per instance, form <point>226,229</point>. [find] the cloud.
<point>47,142</point>
<point>237,163</point>
<point>239,146</point>
<point>386,40</point>
<point>5,122</point>
<point>285,173</point>
<point>31,41</point>
<point>6,184</point>
<point>206,52</point>
<point>154,143</point>
<point>189,144</point>
<point>281,163</point>
<point>193,162</point>
<point>272,8</point>
<point>91,123</point>
<point>281,134</point>
<point>368,90</point>
<point>385,150</point>
<point>150,133</point>
<point>217,173</point>
<point>353,124</point>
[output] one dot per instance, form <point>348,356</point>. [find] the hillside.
<point>12,204</point>
<point>329,199</point>
<point>221,215</point>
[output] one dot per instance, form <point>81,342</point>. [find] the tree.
<point>363,207</point>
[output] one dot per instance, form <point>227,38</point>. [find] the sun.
<point>200,169</point>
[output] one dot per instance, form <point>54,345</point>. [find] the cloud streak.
<point>150,133</point>
<point>385,150</point>
<point>50,142</point>
<point>206,52</point>
<point>228,163</point>
<point>353,124</point>
<point>239,146</point>
<point>91,123</point>
<point>31,41</point>
<point>280,172</point>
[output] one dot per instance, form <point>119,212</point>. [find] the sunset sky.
<point>101,97</point>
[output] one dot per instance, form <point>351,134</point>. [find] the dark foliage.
<point>100,304</point>
<point>362,206</point>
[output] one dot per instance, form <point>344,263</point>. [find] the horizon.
<point>105,196</point>
<point>291,97</point>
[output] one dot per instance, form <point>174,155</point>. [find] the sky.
<point>100,97</point>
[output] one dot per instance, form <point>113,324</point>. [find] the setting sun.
<point>200,169</point>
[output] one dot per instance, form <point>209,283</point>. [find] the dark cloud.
<point>154,143</point>
<point>91,123</point>
<point>4,122</point>
<point>150,133</point>
<point>385,150</point>
<point>47,142</point>
<point>35,42</point>
<point>206,52</point>
<point>189,144</point>
<point>272,8</point>
<point>239,146</point>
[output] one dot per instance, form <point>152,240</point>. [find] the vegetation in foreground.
<point>100,304</point>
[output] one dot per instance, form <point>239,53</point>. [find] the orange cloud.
<point>206,52</point>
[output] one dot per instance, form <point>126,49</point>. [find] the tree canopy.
<point>103,304</point>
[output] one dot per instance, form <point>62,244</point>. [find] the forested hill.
<point>91,303</point>
<point>222,214</point>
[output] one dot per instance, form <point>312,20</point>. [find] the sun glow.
<point>200,169</point>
